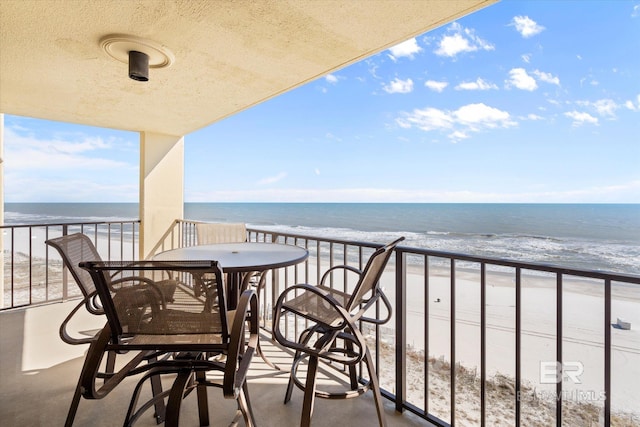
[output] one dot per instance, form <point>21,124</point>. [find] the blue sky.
<point>524,101</point>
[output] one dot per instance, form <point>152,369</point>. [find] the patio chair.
<point>334,333</point>
<point>73,249</point>
<point>208,233</point>
<point>211,232</point>
<point>233,232</point>
<point>199,333</point>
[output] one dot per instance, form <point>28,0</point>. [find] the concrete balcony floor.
<point>38,373</point>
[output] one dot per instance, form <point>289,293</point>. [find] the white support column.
<point>1,209</point>
<point>161,188</point>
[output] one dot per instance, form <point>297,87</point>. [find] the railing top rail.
<point>60,224</point>
<point>321,238</point>
<point>551,268</point>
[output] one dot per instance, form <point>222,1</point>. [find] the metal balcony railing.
<point>446,342</point>
<point>32,271</point>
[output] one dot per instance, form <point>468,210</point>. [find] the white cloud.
<point>534,117</point>
<point>317,171</point>
<point>526,26</point>
<point>331,78</point>
<point>630,105</point>
<point>546,77</point>
<point>519,78</point>
<point>458,135</point>
<point>399,86</point>
<point>459,40</point>
<point>427,119</point>
<point>459,123</point>
<point>481,115</point>
<point>29,152</point>
<point>436,86</point>
<point>479,84</point>
<point>636,11</point>
<point>372,67</point>
<point>604,107</point>
<point>405,49</point>
<point>526,57</point>
<point>273,179</point>
<point>580,118</point>
<point>72,167</point>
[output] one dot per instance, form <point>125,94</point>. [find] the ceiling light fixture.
<point>141,54</point>
<point>138,66</point>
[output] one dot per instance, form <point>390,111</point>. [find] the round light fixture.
<point>119,46</point>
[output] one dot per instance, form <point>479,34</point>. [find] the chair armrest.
<point>241,350</point>
<point>344,267</point>
<point>93,361</point>
<point>347,321</point>
<point>63,327</point>
<point>325,295</point>
<point>385,300</point>
<point>388,307</point>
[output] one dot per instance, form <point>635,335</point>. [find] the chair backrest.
<point>371,274</point>
<point>209,233</point>
<point>73,249</point>
<point>139,316</point>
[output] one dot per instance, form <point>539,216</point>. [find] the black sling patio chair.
<point>334,319</point>
<point>208,233</point>
<point>73,249</point>
<point>197,331</point>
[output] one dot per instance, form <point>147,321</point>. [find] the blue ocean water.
<point>590,236</point>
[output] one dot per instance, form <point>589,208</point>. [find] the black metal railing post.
<point>401,331</point>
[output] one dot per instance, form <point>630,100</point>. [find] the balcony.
<point>493,331</point>
<point>39,372</point>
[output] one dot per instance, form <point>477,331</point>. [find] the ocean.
<point>588,236</point>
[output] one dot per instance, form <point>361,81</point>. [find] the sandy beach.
<point>583,343</point>
<point>583,346</point>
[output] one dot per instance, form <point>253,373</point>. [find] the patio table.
<point>239,258</point>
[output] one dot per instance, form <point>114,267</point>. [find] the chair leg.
<point>244,405</point>
<point>309,392</point>
<point>175,398</point>
<point>133,414</point>
<point>203,403</point>
<point>90,370</point>
<point>305,336</point>
<point>156,389</point>
<point>111,364</point>
<point>71,415</point>
<point>353,374</point>
<point>375,388</point>
<point>265,358</point>
<point>289,392</point>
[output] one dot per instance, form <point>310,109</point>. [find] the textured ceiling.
<point>229,55</point>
